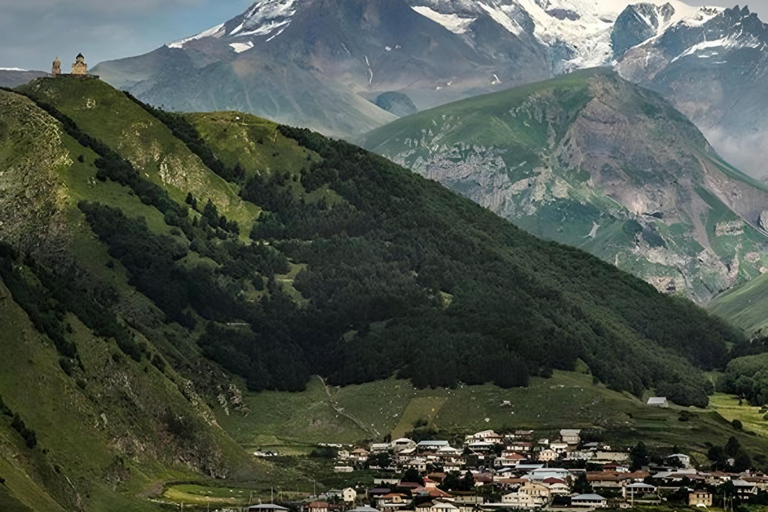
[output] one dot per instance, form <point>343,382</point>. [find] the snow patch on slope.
<point>211,32</point>
<point>452,22</point>
<point>370,71</point>
<point>241,47</point>
<point>263,18</point>
<point>265,29</point>
<point>12,69</point>
<point>727,43</point>
<point>703,15</point>
<point>503,18</point>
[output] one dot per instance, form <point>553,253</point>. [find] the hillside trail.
<point>368,430</point>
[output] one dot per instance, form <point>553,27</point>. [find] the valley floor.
<point>292,425</point>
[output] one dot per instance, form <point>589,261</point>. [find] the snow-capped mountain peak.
<point>265,18</point>
<point>583,33</point>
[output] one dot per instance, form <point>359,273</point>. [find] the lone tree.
<point>412,475</point>
<point>582,485</point>
<point>640,456</point>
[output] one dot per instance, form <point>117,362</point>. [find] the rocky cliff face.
<point>31,195</point>
<point>638,23</point>
<point>596,162</point>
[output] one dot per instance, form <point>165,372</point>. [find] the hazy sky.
<point>33,32</point>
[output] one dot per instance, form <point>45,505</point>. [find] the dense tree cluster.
<point>45,312</point>
<point>265,354</point>
<point>4,409</point>
<point>639,456</point>
<point>747,377</point>
<point>582,485</point>
<point>455,481</point>
<point>399,244</point>
<point>29,435</point>
<point>731,457</point>
<point>685,394</point>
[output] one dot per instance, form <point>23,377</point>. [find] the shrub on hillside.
<point>29,436</point>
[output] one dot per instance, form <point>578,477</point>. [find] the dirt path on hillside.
<point>370,431</point>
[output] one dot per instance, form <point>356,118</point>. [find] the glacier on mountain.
<point>729,42</point>
<point>582,27</point>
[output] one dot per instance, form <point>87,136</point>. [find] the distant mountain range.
<point>591,160</point>
<point>13,77</point>
<point>324,63</point>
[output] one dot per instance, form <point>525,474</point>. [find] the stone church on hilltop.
<point>79,68</point>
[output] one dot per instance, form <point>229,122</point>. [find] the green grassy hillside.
<point>142,291</point>
<point>108,428</point>
<point>293,423</point>
<point>745,306</point>
<point>141,139</point>
<point>592,161</point>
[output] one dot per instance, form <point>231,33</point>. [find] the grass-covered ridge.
<point>295,422</point>
<point>111,117</point>
<point>93,413</point>
<point>745,306</point>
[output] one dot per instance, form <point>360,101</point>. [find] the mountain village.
<point>490,472</point>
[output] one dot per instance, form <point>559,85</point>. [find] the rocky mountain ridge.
<point>593,161</point>
<point>713,73</point>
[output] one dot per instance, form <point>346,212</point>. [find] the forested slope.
<point>391,270</point>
